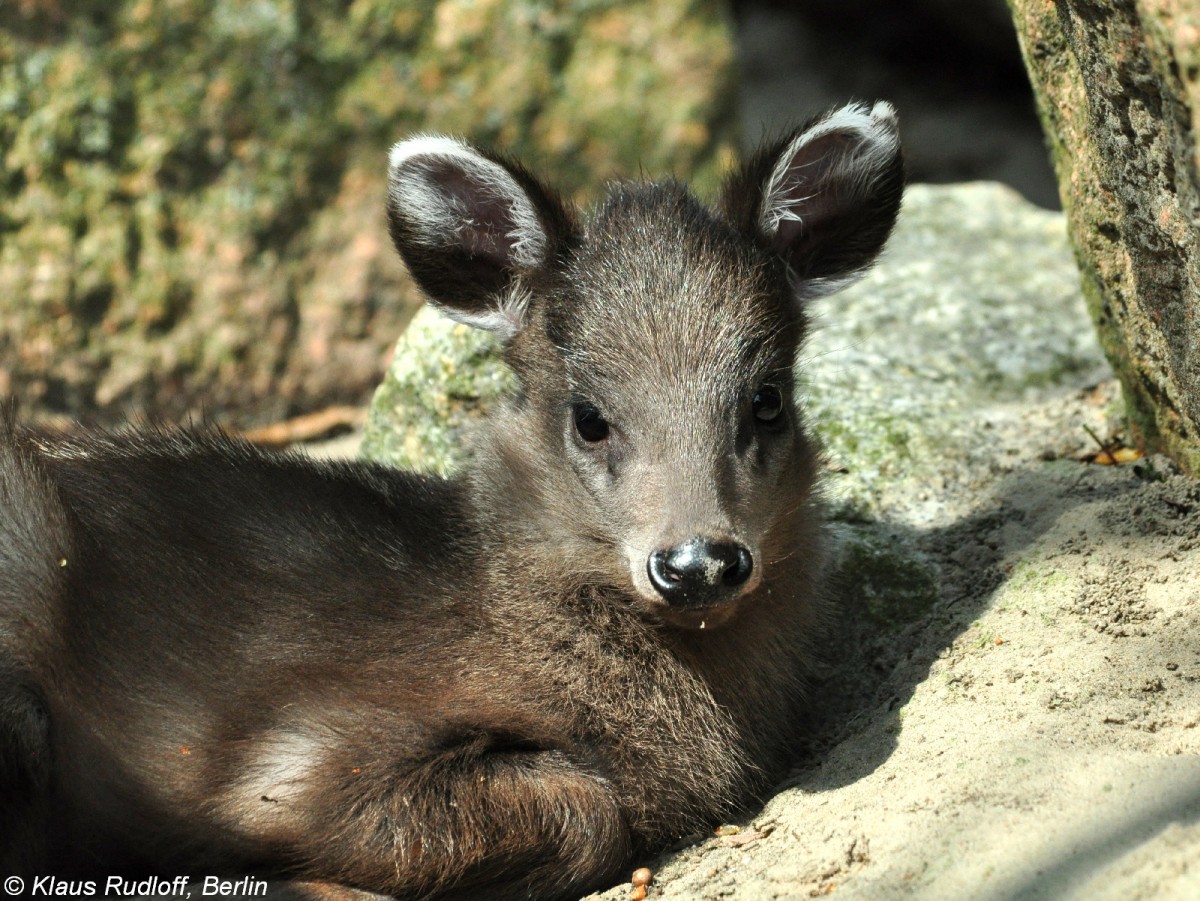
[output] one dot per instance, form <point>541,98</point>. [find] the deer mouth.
<point>701,619</point>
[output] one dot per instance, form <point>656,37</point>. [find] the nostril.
<point>662,574</point>
<point>738,571</point>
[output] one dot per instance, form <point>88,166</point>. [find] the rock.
<point>193,191</point>
<point>444,376</point>
<point>892,582</point>
<point>1118,89</point>
<point>975,306</point>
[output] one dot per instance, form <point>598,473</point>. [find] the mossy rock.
<point>193,215</point>
<point>444,377</point>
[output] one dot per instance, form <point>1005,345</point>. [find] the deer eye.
<point>767,403</point>
<point>591,426</point>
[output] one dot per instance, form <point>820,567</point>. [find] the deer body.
<point>218,660</point>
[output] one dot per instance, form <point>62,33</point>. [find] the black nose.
<point>700,572</point>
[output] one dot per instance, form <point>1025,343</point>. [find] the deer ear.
<point>469,225</point>
<point>825,197</point>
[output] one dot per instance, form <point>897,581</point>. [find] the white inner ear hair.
<point>438,218</point>
<point>878,137</point>
<point>508,317</point>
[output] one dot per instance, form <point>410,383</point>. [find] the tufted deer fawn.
<point>215,659</point>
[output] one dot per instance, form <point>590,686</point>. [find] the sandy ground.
<point>1035,734</point>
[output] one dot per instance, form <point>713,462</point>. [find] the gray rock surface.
<point>974,309</point>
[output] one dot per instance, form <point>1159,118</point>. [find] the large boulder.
<point>974,309</point>
<point>193,191</point>
<point>1118,89</point>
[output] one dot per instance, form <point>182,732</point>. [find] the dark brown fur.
<point>218,660</point>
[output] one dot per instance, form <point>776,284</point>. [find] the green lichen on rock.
<point>975,304</point>
<point>194,190</point>
<point>443,378</point>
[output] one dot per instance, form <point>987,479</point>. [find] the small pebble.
<point>642,876</point>
<point>639,893</point>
